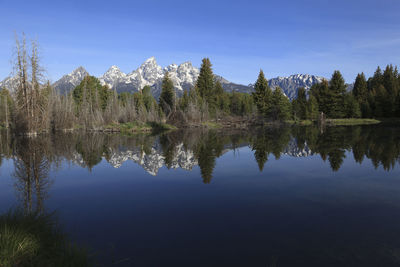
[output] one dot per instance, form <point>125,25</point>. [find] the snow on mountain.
<point>112,77</point>
<point>290,85</point>
<point>183,77</point>
<point>70,81</point>
<point>10,83</point>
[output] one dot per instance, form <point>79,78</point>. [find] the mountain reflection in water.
<point>186,149</point>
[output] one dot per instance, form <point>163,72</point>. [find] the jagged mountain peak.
<point>71,80</point>
<point>149,63</point>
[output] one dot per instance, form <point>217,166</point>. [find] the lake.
<point>279,196</point>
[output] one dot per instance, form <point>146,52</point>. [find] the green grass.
<point>299,122</point>
<point>351,121</point>
<point>210,124</point>
<point>36,240</point>
<point>139,127</point>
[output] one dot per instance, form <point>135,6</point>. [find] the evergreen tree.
<point>352,107</point>
<point>321,93</point>
<point>167,97</point>
<point>360,90</point>
<point>184,101</point>
<point>300,104</point>
<point>380,100</point>
<point>280,108</point>
<point>335,101</point>
<point>376,80</point>
<point>312,108</point>
<point>262,95</point>
<point>148,99</point>
<point>205,83</point>
<point>390,82</point>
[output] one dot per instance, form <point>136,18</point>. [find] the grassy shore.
<point>299,122</point>
<point>336,122</point>
<point>36,240</point>
<point>137,127</point>
<point>351,121</point>
<point>211,125</point>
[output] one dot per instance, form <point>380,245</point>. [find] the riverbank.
<point>336,122</point>
<point>137,127</point>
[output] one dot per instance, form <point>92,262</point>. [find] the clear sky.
<point>240,37</point>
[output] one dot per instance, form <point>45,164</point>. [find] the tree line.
<point>35,106</point>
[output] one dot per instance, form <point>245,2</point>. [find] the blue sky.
<point>240,37</point>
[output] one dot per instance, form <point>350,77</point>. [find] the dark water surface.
<point>272,197</point>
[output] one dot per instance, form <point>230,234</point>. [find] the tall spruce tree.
<point>337,91</point>
<point>375,81</point>
<point>167,97</point>
<point>321,93</point>
<point>360,90</point>
<point>300,104</point>
<point>390,82</point>
<point>280,106</point>
<point>262,95</point>
<point>312,108</point>
<point>205,82</point>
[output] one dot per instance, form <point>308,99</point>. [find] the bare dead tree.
<point>31,99</point>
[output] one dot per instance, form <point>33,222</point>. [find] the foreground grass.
<point>351,121</point>
<point>35,240</point>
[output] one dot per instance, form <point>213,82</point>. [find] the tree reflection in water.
<point>188,148</point>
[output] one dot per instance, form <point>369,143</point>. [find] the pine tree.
<point>321,93</point>
<point>280,108</point>
<point>360,90</point>
<point>352,107</point>
<point>391,85</point>
<point>312,108</point>
<point>167,97</point>
<point>337,90</point>
<point>375,81</point>
<point>300,104</point>
<point>205,82</point>
<point>262,95</point>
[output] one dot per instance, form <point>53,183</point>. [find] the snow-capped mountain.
<point>10,83</point>
<point>183,76</point>
<point>70,81</point>
<point>151,74</point>
<point>290,85</point>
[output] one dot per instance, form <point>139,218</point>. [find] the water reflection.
<point>186,149</point>
<point>293,218</point>
<point>31,170</point>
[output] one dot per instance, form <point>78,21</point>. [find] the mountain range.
<point>183,76</point>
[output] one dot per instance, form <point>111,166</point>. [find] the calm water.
<point>274,197</point>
